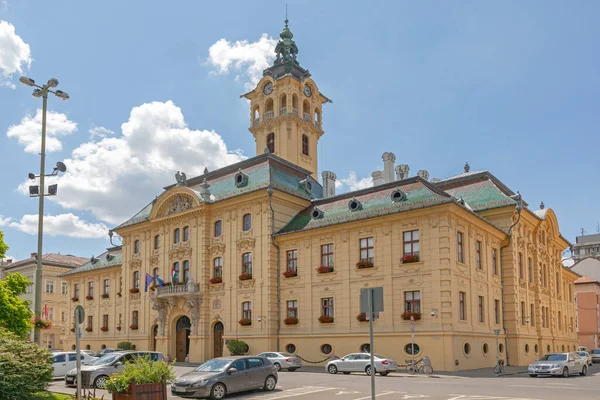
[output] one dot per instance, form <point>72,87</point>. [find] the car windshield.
<point>213,366</point>
<point>596,351</point>
<point>554,357</point>
<point>582,353</point>
<point>107,359</point>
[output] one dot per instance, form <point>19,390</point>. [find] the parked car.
<point>586,356</point>
<point>64,361</point>
<point>104,352</point>
<point>283,360</point>
<point>595,355</point>
<point>562,364</point>
<point>90,352</point>
<point>224,375</point>
<point>361,362</point>
<point>98,372</point>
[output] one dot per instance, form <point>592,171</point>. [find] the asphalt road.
<point>316,386</point>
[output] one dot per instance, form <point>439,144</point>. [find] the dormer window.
<point>354,205</point>
<point>317,213</point>
<point>241,179</point>
<point>398,195</point>
<point>306,184</point>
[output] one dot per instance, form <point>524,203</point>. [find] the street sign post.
<point>497,333</point>
<point>78,318</point>
<point>371,302</point>
<point>412,346</point>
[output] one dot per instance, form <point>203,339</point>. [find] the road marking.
<point>341,392</point>
<point>377,395</point>
<point>557,387</point>
<point>561,384</point>
<point>299,394</point>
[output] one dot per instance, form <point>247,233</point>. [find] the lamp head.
<point>37,93</point>
<point>26,81</point>
<point>60,166</point>
<point>31,176</point>
<point>52,82</point>
<point>61,95</point>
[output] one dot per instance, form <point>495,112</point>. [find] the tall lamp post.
<point>39,191</point>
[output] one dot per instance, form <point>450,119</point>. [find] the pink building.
<point>587,296</point>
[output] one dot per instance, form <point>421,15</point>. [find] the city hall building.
<point>266,252</point>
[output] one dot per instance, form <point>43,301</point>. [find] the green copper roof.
<point>376,201</point>
<point>481,195</point>
<point>110,258</point>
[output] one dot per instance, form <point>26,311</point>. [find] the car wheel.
<point>218,391</point>
<point>100,382</point>
<point>292,369</point>
<point>368,370</point>
<point>583,371</point>
<point>565,372</point>
<point>383,373</point>
<point>346,373</point>
<point>277,367</point>
<point>332,369</point>
<point>533,375</point>
<point>270,383</point>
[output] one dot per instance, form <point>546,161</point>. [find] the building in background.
<point>55,293</point>
<point>587,294</point>
<point>586,246</point>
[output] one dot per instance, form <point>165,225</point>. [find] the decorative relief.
<point>344,236</point>
<point>305,158</point>
<point>387,228</point>
<point>461,283</point>
<point>365,231</point>
<point>434,221</point>
<point>153,261</point>
<point>216,304</point>
<point>135,264</point>
<point>326,239</point>
<point>290,245</point>
<point>307,243</point>
<point>217,248</point>
<point>246,244</point>
<point>249,283</point>
<point>521,243</point>
<point>218,287</point>
<point>179,253</point>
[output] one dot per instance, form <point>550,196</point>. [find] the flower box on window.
<point>325,319</point>
<point>362,317</point>
<point>104,328</point>
<point>364,264</point>
<point>410,258</point>
<point>119,327</point>
<point>291,321</point>
<point>406,315</point>
<point>245,322</point>
<point>245,277</point>
<point>74,299</point>
<point>88,329</point>
<point>42,323</point>
<point>72,329</point>
<point>119,294</point>
<point>324,269</point>
<point>105,295</point>
<point>216,279</point>
<point>133,327</point>
<point>89,297</point>
<point>134,290</point>
<point>290,273</point>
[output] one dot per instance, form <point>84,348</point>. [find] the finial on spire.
<point>542,205</point>
<point>467,167</point>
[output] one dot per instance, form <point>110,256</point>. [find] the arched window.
<point>306,111</point>
<point>218,267</point>
<point>156,242</point>
<point>305,145</point>
<point>295,105</point>
<point>317,117</point>
<point>186,234</point>
<point>177,236</point>
<point>283,104</point>
<point>186,271</point>
<point>175,273</point>
<point>136,279</point>
<point>269,112</point>
<point>136,247</point>
<point>247,222</point>
<point>271,142</point>
<point>134,317</point>
<point>256,115</point>
<point>155,274</point>
<point>218,228</point>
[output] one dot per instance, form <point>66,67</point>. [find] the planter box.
<point>150,391</point>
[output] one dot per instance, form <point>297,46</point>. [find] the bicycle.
<point>499,368</point>
<point>418,366</point>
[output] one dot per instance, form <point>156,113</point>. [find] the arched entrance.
<point>218,340</point>
<point>154,334</point>
<point>183,338</point>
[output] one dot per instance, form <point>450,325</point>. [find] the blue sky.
<point>510,87</point>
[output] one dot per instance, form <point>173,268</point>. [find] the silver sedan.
<point>283,360</point>
<point>586,356</point>
<point>361,362</point>
<point>559,364</point>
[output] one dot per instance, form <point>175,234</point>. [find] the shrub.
<point>25,368</point>
<point>140,371</point>
<point>124,346</point>
<point>237,347</point>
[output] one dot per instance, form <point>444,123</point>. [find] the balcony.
<point>306,117</point>
<point>256,121</point>
<point>295,111</point>
<point>283,111</point>
<point>178,290</point>
<point>269,115</point>
<point>318,124</point>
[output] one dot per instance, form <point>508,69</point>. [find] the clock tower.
<point>286,109</point>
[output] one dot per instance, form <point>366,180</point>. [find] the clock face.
<point>268,88</point>
<point>307,91</point>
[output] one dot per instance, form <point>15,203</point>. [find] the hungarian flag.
<point>45,311</point>
<point>174,276</point>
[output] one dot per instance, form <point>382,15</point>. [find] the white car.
<point>64,361</point>
<point>361,362</point>
<point>283,360</point>
<point>586,356</point>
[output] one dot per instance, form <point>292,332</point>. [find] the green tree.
<point>15,315</point>
<point>237,347</point>
<point>3,246</point>
<point>25,368</point>
<point>125,346</point>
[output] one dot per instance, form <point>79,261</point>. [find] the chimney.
<point>328,183</point>
<point>9,261</point>
<point>402,171</point>
<point>378,178</point>
<point>423,174</point>
<point>388,166</point>
<point>34,255</point>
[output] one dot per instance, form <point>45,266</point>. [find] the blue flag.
<point>160,281</point>
<point>149,280</point>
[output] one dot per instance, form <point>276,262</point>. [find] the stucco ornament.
<point>179,203</point>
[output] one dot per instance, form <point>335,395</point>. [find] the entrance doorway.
<point>218,340</point>
<point>154,334</point>
<point>182,338</point>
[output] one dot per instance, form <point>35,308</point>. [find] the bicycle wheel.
<point>498,369</point>
<point>410,369</point>
<point>427,370</point>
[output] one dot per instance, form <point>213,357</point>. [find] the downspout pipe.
<point>270,193</point>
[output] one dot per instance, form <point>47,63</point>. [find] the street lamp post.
<point>42,91</point>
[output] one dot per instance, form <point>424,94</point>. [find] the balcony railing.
<point>295,111</point>
<point>283,111</point>
<point>307,117</point>
<point>177,290</point>
<point>269,115</point>
<point>318,124</point>
<point>256,121</point>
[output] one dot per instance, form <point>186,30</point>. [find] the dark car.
<point>224,375</point>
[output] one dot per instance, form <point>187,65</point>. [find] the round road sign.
<point>79,314</point>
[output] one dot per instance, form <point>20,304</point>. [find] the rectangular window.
<point>411,246</point>
<point>497,312</point>
<point>521,272</point>
<point>135,318</point>
<point>327,255</point>
<point>136,247</point>
<point>305,145</point>
<point>186,234</point>
<point>106,286</point>
<point>91,288</point>
<point>523,317</point>
<point>49,286</point>
<point>247,263</point>
<point>136,279</point>
<point>530,269</point>
<point>105,320</point>
<point>247,222</point>
<point>218,267</point>
<point>462,297</point>
<point>292,260</point>
<point>64,288</point>
<point>292,308</point>
<point>90,321</point>
<point>478,255</point>
<point>559,320</point>
<point>532,314</point>
<point>412,302</point>
<point>327,306</point>
<point>557,283</point>
<point>459,244</point>
<point>218,228</point>
<point>367,252</point>
<point>156,242</point>
<point>50,313</point>
<point>480,309</point>
<point>63,316</point>
<point>495,261</point>
<point>247,310</point>
<point>76,290</point>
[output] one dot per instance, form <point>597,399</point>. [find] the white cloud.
<point>114,177</point>
<point>28,132</point>
<point>15,54</point>
<point>100,132</point>
<point>54,225</point>
<point>352,183</point>
<point>249,59</point>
